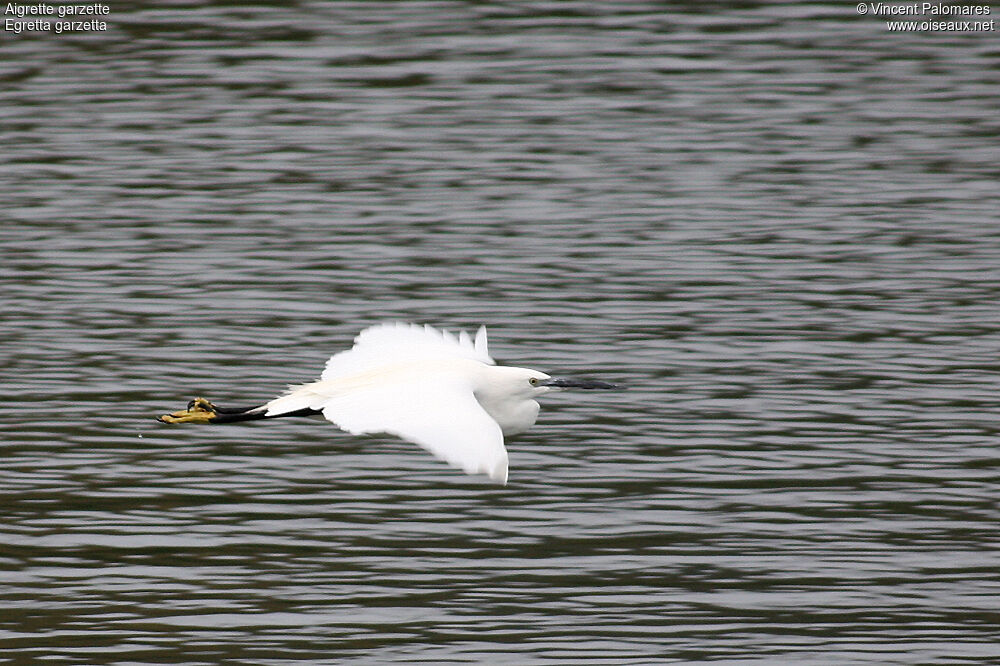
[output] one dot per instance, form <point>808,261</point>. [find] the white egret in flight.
<point>427,386</point>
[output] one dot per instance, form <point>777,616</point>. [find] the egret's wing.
<point>368,389</point>
<point>387,344</point>
<point>445,419</point>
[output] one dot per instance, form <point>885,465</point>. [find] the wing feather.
<point>445,420</point>
<point>386,344</point>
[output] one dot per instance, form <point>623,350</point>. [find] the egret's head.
<point>532,383</point>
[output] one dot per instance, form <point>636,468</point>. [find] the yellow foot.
<point>198,410</point>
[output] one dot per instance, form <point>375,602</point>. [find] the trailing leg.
<point>201,410</point>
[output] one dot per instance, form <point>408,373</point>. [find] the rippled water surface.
<point>775,223</point>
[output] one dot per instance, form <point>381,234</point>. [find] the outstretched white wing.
<point>388,344</point>
<point>402,379</point>
<point>447,420</point>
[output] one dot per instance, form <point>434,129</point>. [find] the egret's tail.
<point>201,410</point>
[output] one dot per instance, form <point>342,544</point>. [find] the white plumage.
<point>442,391</point>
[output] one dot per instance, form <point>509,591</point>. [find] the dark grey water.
<point>776,223</point>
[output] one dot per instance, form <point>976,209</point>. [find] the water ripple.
<point>778,232</point>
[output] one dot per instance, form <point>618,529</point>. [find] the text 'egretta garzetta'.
<point>441,391</point>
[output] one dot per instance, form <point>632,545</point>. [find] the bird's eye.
<point>533,381</point>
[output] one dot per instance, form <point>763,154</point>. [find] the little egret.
<point>428,386</point>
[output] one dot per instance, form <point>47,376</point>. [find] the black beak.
<point>578,384</point>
